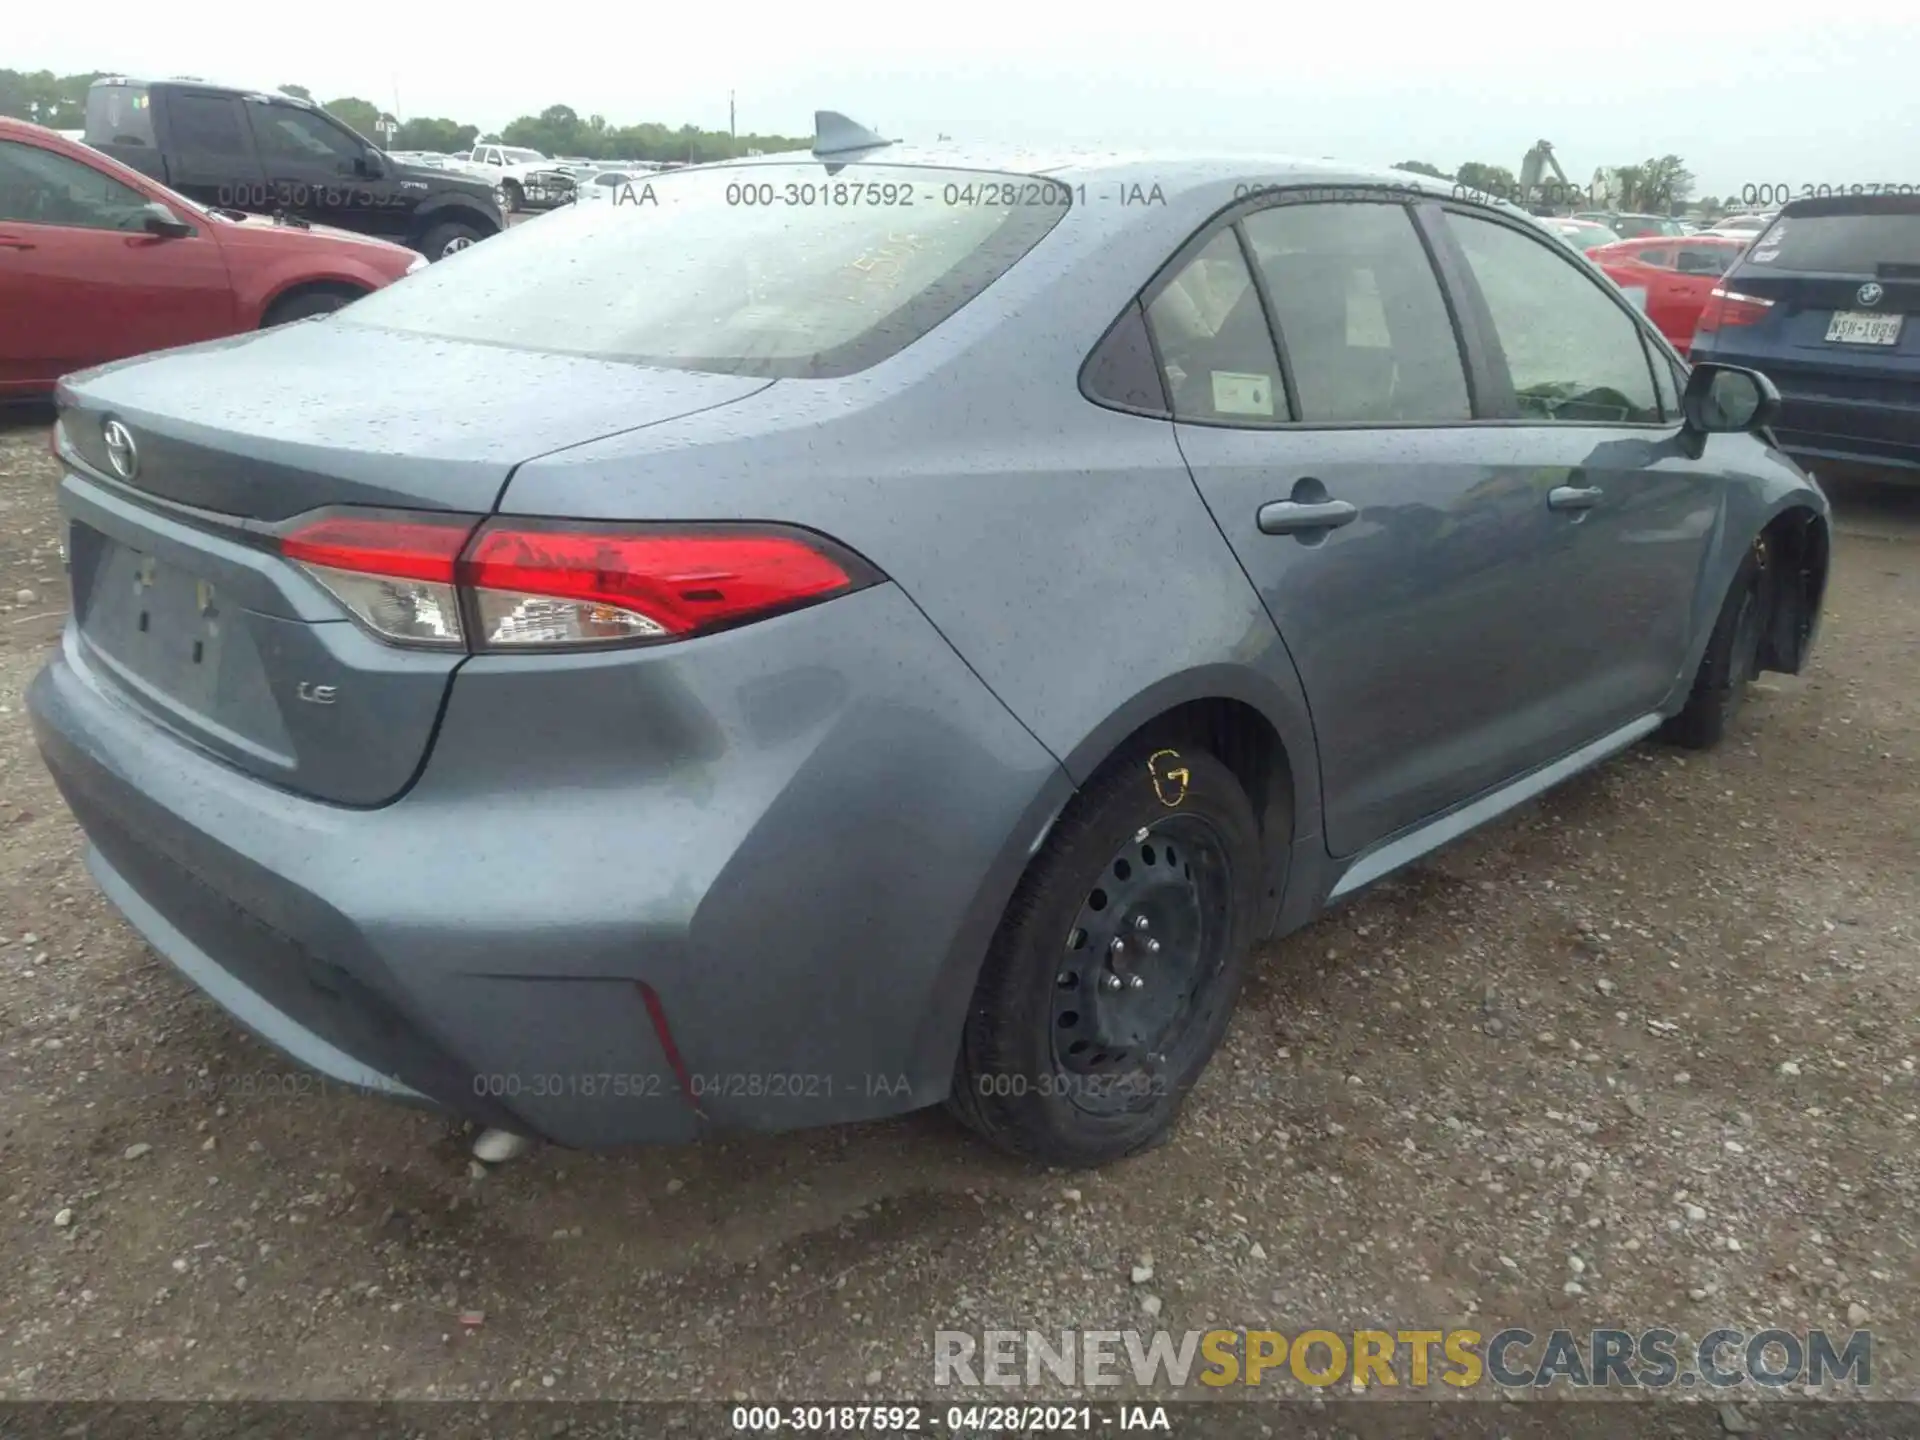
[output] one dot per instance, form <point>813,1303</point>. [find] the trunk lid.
<point>318,413</point>
<point>184,608</point>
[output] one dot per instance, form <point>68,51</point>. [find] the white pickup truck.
<point>522,179</point>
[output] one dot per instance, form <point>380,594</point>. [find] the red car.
<point>97,262</point>
<point>1673,276</point>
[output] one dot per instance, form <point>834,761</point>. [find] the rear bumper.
<point>789,842</point>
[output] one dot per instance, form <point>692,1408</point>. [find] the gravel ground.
<point>1644,1054</point>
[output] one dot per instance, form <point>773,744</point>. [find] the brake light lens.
<point>393,570</point>
<point>1727,308</point>
<point>537,584</point>
<point>456,581</point>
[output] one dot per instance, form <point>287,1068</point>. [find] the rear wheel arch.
<point>1251,743</point>
<point>1239,737</point>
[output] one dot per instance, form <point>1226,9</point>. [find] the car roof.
<point>1174,172</point>
<point>1852,205</point>
<point>11,126</point>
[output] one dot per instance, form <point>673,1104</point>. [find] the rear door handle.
<point>1574,497</point>
<point>1291,517</point>
<point>14,242</point>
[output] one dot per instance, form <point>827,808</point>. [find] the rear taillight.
<point>1726,308</point>
<point>518,584</point>
<point>549,584</point>
<point>393,570</point>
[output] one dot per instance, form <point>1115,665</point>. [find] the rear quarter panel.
<point>1059,547</point>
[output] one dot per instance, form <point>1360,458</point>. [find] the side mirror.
<point>368,167</point>
<point>157,219</point>
<point>1726,399</point>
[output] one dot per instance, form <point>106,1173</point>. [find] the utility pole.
<point>731,132</point>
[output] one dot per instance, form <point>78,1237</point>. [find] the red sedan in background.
<point>1672,275</point>
<point>97,262</point>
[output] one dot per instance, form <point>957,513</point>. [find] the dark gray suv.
<point>843,633</point>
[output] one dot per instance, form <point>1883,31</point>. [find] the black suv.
<point>275,155</point>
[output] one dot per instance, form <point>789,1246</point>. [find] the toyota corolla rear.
<point>1827,304</point>
<point>593,830</point>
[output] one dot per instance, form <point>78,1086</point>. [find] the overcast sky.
<point>1760,91</point>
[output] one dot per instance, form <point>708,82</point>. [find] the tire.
<point>448,239</point>
<point>1732,656</point>
<point>305,305</point>
<point>1019,1081</point>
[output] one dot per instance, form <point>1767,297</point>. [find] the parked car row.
<point>273,154</point>
<point>1824,302</point>
<point>1585,235</point>
<point>99,261</point>
<point>522,179</point>
<point>1627,226</point>
<point>1670,278</point>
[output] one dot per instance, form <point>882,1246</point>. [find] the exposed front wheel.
<point>1114,972</point>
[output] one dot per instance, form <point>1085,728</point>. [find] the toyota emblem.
<point>122,453</point>
<point>1869,294</point>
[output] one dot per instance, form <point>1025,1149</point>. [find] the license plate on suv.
<point>1856,327</point>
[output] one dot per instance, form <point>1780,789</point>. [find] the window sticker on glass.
<point>1235,393</point>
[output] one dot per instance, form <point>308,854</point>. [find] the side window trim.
<point>1270,315</point>
<point>1134,315</point>
<point>1489,386</point>
<point>1650,339</point>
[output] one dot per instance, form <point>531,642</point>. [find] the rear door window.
<point>1575,355</point>
<point>1213,342</point>
<point>208,125</point>
<point>1360,313</point>
<point>1660,257</point>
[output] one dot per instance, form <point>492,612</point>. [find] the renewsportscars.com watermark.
<point>1654,1359</point>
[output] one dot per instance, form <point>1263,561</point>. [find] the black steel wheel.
<point>1111,979</point>
<point>1130,999</point>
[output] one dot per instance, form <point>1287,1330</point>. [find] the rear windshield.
<point>119,115</point>
<point>780,270</point>
<point>1861,243</point>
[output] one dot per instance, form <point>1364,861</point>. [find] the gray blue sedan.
<point>852,631</point>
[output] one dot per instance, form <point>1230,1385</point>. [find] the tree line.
<point>1657,185</point>
<point>60,102</point>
